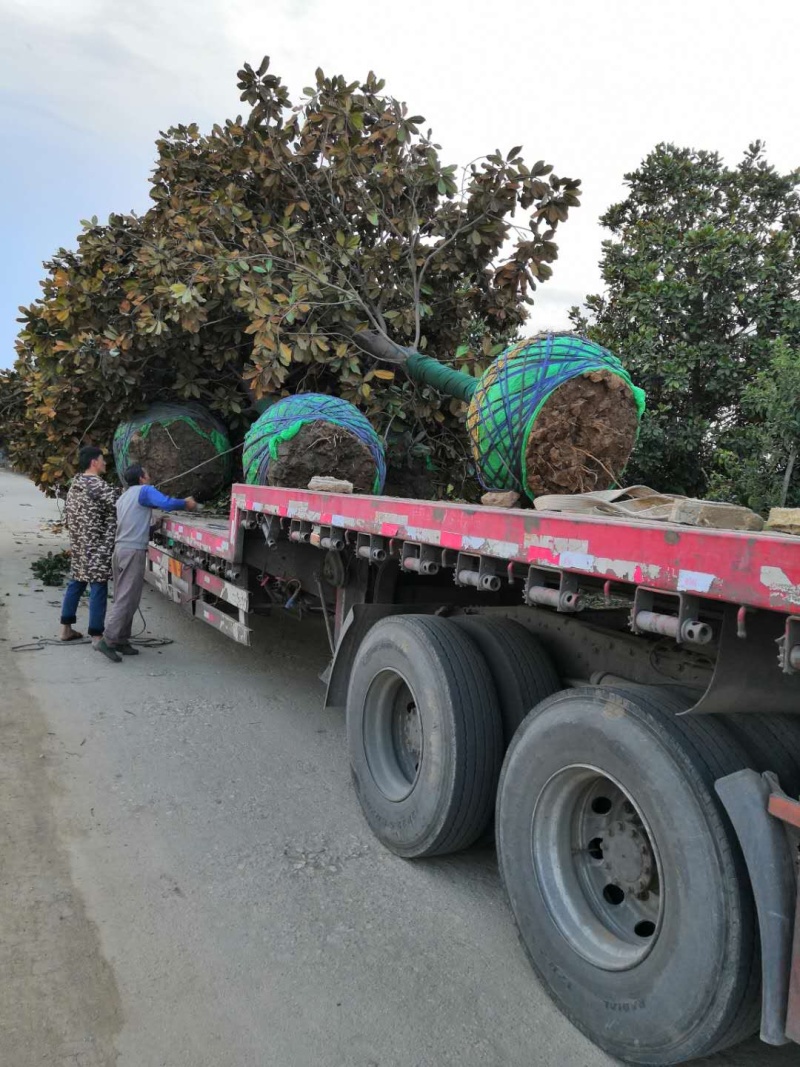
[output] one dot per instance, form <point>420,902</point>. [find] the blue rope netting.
<point>284,419</point>
<point>512,392</point>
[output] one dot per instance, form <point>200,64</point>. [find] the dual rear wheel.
<point>623,874</point>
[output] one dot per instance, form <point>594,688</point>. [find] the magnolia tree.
<point>271,242</point>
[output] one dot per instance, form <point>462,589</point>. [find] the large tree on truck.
<point>271,240</point>
<point>702,304</point>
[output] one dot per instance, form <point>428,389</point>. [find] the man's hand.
<point>191,503</point>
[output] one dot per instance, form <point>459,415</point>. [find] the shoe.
<point>108,651</point>
<point>127,649</point>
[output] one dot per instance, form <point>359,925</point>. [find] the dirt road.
<point>186,879</point>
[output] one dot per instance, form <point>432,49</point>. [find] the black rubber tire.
<point>450,802</point>
<point>773,744</point>
<point>698,989</point>
<point>522,671</point>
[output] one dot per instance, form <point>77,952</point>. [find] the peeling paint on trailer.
<point>237,631</point>
<point>784,592</point>
<point>753,570</point>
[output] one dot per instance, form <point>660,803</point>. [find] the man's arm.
<point>150,497</point>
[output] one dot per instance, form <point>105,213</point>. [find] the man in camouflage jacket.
<point>91,523</point>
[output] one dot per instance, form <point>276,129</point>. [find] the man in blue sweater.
<point>134,516</point>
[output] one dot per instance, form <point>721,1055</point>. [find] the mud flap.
<point>770,865</point>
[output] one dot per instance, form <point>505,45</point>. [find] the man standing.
<point>90,520</point>
<point>134,515</point>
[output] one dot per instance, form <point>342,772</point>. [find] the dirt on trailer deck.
<point>325,450</point>
<point>583,436</point>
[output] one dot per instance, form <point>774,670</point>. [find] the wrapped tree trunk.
<point>554,413</point>
<point>185,449</point>
<point>312,435</point>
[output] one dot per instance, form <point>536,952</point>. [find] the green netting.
<point>512,392</point>
<point>285,419</point>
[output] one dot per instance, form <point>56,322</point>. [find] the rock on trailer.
<point>620,699</point>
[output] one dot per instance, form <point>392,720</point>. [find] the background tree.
<point>12,407</point>
<point>702,304</point>
<point>271,242</point>
<point>763,472</point>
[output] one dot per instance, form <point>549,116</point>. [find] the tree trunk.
<point>787,476</point>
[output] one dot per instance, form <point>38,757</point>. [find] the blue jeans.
<point>98,598</point>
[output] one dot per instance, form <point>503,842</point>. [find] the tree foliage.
<point>271,241</point>
<point>702,304</point>
<point>12,407</point>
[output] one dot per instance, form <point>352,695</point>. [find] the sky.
<point>588,85</point>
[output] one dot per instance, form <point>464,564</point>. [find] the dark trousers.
<point>98,599</point>
<point>129,566</point>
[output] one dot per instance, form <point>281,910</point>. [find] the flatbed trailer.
<point>619,699</point>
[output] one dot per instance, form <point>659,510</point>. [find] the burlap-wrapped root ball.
<point>554,414</point>
<point>312,435</point>
<point>172,439</point>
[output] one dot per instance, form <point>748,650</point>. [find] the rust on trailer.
<point>785,809</point>
<point>761,571</point>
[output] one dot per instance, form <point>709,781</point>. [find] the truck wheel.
<point>522,671</point>
<point>425,735</point>
<point>624,876</point>
<point>773,744</point>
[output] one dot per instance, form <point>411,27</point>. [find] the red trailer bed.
<point>756,570</point>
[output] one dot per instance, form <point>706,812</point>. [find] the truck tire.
<point>522,671</point>
<point>624,875</point>
<point>773,744</point>
<point>425,735</point>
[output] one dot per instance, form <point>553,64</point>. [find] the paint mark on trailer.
<point>503,549</point>
<point>419,533</point>
<point>389,518</point>
<point>695,581</point>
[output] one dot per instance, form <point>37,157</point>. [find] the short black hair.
<point>133,474</point>
<point>86,455</point>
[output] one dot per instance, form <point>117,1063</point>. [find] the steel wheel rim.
<point>597,866</point>
<point>392,735</point>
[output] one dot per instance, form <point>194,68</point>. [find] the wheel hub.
<point>598,868</point>
<point>393,735</point>
<point>626,853</point>
<point>407,737</point>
